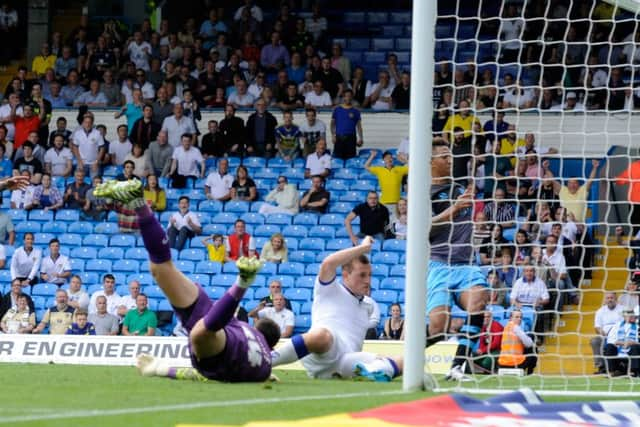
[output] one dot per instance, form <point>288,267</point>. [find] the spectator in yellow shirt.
<point>390,178</point>
<point>463,119</point>
<point>216,248</point>
<point>42,62</point>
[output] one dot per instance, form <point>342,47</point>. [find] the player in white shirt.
<point>340,318</point>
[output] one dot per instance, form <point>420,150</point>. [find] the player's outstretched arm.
<point>332,262</point>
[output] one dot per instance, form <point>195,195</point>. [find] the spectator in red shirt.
<point>28,122</point>
<point>489,343</point>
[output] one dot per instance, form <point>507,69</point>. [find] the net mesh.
<point>538,101</point>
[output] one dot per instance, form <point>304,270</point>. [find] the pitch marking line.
<point>186,406</point>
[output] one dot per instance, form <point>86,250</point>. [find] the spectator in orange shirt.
<point>28,122</point>
<point>630,176</point>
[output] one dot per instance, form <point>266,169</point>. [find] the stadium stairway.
<point>569,352</point>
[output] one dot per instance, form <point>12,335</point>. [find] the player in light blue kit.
<point>453,277</point>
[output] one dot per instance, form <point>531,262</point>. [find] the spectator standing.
<point>58,160</point>
<point>183,225</point>
<point>316,199</point>
<point>240,243</point>
<point>105,323</point>
<point>187,162</point>
<point>374,219</point>
<point>140,321</point>
<point>25,262</point>
<point>177,125</point>
<point>401,93</point>
<point>313,130</point>
<point>261,131</point>
<point>58,317</point>
<point>332,80</point>
<point>274,56</point>
<point>389,177</point>
<point>87,145</point>
<point>346,128</point>
<point>144,129</point>
<point>159,155</point>
<point>232,132</point>
<point>607,317</point>
<point>288,138</point>
<point>119,149</point>
<point>55,267</point>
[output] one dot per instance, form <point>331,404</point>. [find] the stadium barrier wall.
<point>122,351</point>
<point>574,134</point>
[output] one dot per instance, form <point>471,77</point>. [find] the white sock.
<point>284,355</point>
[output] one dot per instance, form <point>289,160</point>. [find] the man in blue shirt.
<point>346,128</point>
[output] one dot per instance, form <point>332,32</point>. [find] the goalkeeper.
<point>452,277</point>
<point>222,348</point>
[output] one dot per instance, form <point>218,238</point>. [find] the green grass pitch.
<point>63,395</point>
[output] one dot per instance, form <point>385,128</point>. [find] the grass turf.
<point>62,395</point>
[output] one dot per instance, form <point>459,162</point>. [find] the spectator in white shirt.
<point>511,27</point>
<point>378,96</point>
<point>25,263</point>
<point>55,267</point>
<point>183,225</point>
<point>148,92</point>
<point>319,162</point>
<point>318,98</point>
<point>278,313</point>
<point>241,98</point>
<point>87,145</point>
<point>606,317</point>
<point>529,290</point>
<point>312,131</point>
<point>177,125</point>
<point>218,183</point>
<point>285,196</point>
<point>128,302</point>
<point>256,12</point>
<point>58,160</point>
<point>139,51</point>
<point>118,150</point>
<point>108,291</point>
<point>187,162</point>
<point>21,198</point>
<point>77,297</point>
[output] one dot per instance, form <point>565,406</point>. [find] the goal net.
<point>539,100</point>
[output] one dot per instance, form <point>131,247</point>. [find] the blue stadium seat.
<point>56,227</point>
<point>252,218</point>
<point>337,163</point>
<point>112,216</point>
<point>112,254</point>
<point>5,277</point>
<point>346,174</point>
<point>291,268</point>
<point>77,265</point>
<point>261,293</point>
<point>277,163</point>
<point>292,243</point>
<point>354,17</point>
<point>123,240</point>
<point>377,18</point>
<point>353,196</point>
<point>111,171</point>
<point>42,239</point>
<point>260,281</point>
<point>44,289</point>
<point>305,218</point>
<point>302,323</point>
<point>106,228</point>
<point>187,267</point>
<point>202,279</point>
<point>394,245</point>
<point>298,231</point>
<point>322,231</point>
<point>84,252</point>
<point>302,256</point>
<point>341,207</point>
<point>139,254</point>
<point>383,44</point>
<point>286,281</point>
<point>99,240</point>
<point>331,219</point>
<point>312,268</point>
<point>153,291</point>
<point>355,163</point>
<point>210,206</point>
<point>381,270</point>
<point>90,279</point>
<point>210,229</point>
<point>400,17</point>
<point>126,266</point>
<point>355,56</point>
<point>337,184</point>
<point>305,308</point>
<point>68,215</point>
<point>312,244</point>
<point>498,312</point>
<point>385,296</point>
<point>298,294</point>
<point>390,258</point>
<point>266,230</point>
<point>399,270</point>
<point>223,279</point>
<point>224,218</point>
<point>278,218</point>
<point>145,279</point>
<point>215,292</point>
<point>254,162</point>
<point>192,255</point>
<point>28,227</point>
<point>101,265</point>
<point>364,184</point>
<point>355,43</point>
<point>404,59</point>
<point>80,227</point>
<point>395,283</point>
<point>208,267</point>
<point>305,282</point>
<point>39,302</point>
<point>392,30</point>
<point>267,173</point>
<point>374,57</point>
<point>337,244</point>
<point>17,215</point>
<point>236,206</point>
<point>164,305</point>
<point>229,268</point>
<point>40,215</point>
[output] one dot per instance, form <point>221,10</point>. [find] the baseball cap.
<point>571,95</point>
<point>635,276</point>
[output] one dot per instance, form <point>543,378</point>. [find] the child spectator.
<point>81,326</point>
<point>216,248</point>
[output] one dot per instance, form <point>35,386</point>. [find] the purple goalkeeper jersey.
<point>246,356</point>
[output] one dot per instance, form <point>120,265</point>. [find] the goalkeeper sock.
<point>294,350</point>
<point>223,310</point>
<point>153,235</point>
<point>467,339</point>
<point>434,339</point>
